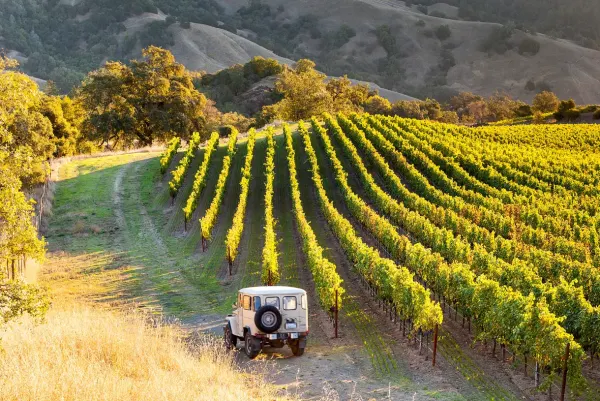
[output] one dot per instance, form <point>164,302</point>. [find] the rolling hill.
<point>398,47</point>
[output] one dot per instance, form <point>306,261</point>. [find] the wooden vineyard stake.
<point>336,313</point>
<point>229,260</point>
<point>435,341</point>
<point>564,378</point>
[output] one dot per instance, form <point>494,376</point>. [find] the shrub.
<point>443,32</point>
<point>530,85</point>
<point>590,108</point>
<point>386,39</point>
<point>545,102</point>
<point>226,130</point>
<point>18,298</point>
<point>566,111</point>
<point>524,110</point>
<point>408,109</point>
<point>378,105</point>
<point>420,23</point>
<point>597,115</point>
<point>529,46</point>
<point>498,40</point>
<point>572,115</point>
<point>449,117</point>
<point>437,14</point>
<point>538,118</point>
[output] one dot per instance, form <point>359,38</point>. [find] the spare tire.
<point>268,319</point>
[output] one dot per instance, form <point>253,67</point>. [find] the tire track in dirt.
<point>117,196</point>
<point>162,283</point>
<point>149,230</point>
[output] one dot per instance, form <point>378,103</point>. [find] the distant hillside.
<point>401,48</point>
<point>423,50</point>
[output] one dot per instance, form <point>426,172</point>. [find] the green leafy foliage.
<point>150,99</point>
<point>169,154</point>
<point>270,265</point>
<point>393,282</point>
<point>232,240</point>
<point>327,281</point>
<point>18,298</point>
<point>200,177</point>
<point>180,171</point>
<point>207,222</point>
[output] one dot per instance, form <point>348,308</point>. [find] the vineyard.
<point>498,224</point>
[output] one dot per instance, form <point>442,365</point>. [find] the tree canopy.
<point>153,99</point>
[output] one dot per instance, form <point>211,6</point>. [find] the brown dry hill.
<point>569,69</point>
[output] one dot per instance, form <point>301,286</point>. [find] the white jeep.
<point>272,316</point>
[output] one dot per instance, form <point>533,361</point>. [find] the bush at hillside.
<point>545,102</point>
<point>87,354</point>
<point>529,46</point>
<point>443,32</point>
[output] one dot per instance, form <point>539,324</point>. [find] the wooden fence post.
<point>564,378</point>
<point>229,260</point>
<point>435,341</point>
<point>336,313</point>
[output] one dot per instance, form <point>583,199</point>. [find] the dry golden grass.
<point>89,354</point>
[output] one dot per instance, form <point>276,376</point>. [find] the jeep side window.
<point>289,303</point>
<point>272,301</point>
<point>303,301</point>
<point>247,302</point>
<point>256,303</point>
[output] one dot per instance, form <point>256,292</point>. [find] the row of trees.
<point>26,141</point>
<point>305,92</point>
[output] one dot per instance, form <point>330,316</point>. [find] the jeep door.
<point>248,312</point>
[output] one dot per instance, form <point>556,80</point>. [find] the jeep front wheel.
<point>250,345</point>
<point>297,347</point>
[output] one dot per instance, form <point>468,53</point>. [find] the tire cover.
<point>268,319</point>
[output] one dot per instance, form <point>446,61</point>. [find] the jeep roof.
<point>274,290</point>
